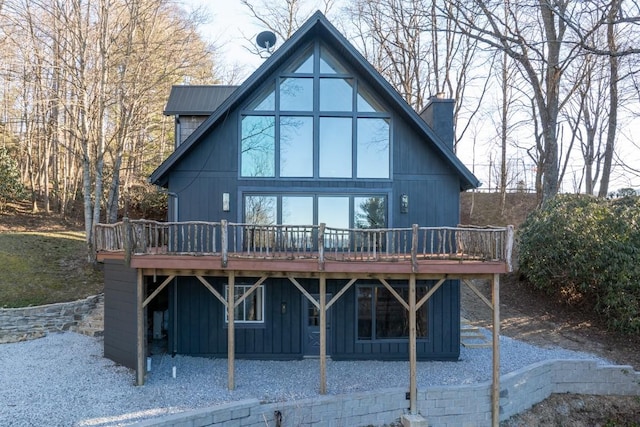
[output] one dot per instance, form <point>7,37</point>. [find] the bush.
<point>586,250</point>
<point>11,187</point>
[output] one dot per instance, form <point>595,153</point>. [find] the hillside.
<point>485,208</point>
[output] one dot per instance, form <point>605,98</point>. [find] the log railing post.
<point>321,229</point>
<point>414,248</point>
<point>224,242</point>
<point>128,249</point>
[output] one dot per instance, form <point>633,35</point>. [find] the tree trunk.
<point>612,124</point>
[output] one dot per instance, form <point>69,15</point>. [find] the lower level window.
<point>251,309</point>
<point>381,316</point>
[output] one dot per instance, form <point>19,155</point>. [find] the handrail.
<point>280,241</point>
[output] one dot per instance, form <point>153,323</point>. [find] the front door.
<point>312,327</point>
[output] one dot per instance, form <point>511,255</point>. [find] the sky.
<point>228,28</point>
<point>230,25</point>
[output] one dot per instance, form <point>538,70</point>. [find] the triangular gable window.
<point>265,101</point>
<point>329,64</point>
<point>315,120</point>
<point>304,65</point>
<point>367,103</point>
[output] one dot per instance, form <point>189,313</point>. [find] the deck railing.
<point>237,240</point>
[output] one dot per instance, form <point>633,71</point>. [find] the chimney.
<point>438,114</point>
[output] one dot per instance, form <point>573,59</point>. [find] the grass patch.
<point>44,268</point>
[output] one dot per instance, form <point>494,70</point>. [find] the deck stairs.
<point>471,336</point>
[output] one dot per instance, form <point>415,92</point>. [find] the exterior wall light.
<point>404,203</point>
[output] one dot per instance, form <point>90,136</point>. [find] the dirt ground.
<point>536,318</point>
<point>528,316</point>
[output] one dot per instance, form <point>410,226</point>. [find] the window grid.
<point>381,317</point>
<point>251,310</point>
<point>359,98</point>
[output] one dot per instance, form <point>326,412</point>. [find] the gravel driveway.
<point>63,380</point>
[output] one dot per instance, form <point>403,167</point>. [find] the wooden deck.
<point>203,249</point>
<point>213,248</point>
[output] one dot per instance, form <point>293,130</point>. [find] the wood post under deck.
<point>413,356</point>
<point>323,334</point>
<point>231,351</point>
<point>495,390</point>
<point>141,339</point>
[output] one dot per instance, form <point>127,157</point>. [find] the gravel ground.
<point>63,380</point>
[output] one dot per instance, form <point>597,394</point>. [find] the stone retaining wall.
<point>446,406</point>
<point>19,324</point>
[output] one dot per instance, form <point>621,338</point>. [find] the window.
<point>251,309</point>
<point>335,147</point>
<point>373,148</point>
<point>337,211</point>
<point>382,317</point>
<point>369,212</point>
<point>260,209</point>
<point>296,146</point>
<point>315,120</point>
<point>258,146</point>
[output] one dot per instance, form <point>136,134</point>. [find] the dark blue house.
<point>313,207</point>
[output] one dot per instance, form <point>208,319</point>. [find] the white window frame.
<point>260,290</point>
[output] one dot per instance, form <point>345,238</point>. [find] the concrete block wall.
<point>19,324</point>
<point>357,409</point>
<point>443,406</point>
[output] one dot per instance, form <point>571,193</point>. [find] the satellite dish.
<point>266,40</point>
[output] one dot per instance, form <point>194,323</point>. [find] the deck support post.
<point>495,395</point>
<point>140,365</point>
<point>231,330</point>
<point>413,388</point>
<point>323,334</point>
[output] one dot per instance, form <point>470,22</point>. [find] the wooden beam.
<point>303,274</point>
<point>394,293</point>
<point>157,291</point>
<point>140,339</point>
<point>413,357</point>
<point>495,395</point>
<point>231,332</point>
<point>212,290</point>
<point>478,293</point>
<point>342,291</point>
<point>431,292</point>
<point>323,335</point>
<point>304,291</point>
<point>251,289</point>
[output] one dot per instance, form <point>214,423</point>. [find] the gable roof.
<point>196,100</point>
<point>318,27</point>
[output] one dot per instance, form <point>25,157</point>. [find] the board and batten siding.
<point>202,329</point>
<point>120,319</point>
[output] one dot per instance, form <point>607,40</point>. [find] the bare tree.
<point>411,43</point>
<point>285,17</point>
<point>90,78</point>
<point>533,35</point>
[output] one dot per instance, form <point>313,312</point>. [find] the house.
<point>312,213</point>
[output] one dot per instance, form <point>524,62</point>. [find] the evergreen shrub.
<point>586,250</point>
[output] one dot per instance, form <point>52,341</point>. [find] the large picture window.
<point>337,211</point>
<point>382,317</point>
<point>315,120</point>
<point>251,309</point>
